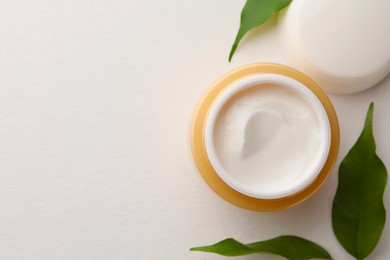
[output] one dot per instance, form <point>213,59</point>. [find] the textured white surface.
<point>95,103</point>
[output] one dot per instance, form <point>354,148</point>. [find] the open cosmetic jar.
<point>265,137</point>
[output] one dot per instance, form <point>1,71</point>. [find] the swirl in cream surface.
<point>268,137</point>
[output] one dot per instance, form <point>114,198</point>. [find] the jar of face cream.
<point>265,137</point>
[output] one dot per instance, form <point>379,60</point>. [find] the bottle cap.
<point>343,45</point>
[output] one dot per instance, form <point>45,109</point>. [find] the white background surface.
<point>95,103</point>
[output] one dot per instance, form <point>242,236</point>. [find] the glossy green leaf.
<point>358,214</point>
<point>255,13</point>
<point>290,247</point>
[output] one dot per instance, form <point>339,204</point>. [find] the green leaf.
<point>290,247</point>
<point>358,214</point>
<point>255,13</point>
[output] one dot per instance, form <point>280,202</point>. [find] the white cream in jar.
<point>267,136</point>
